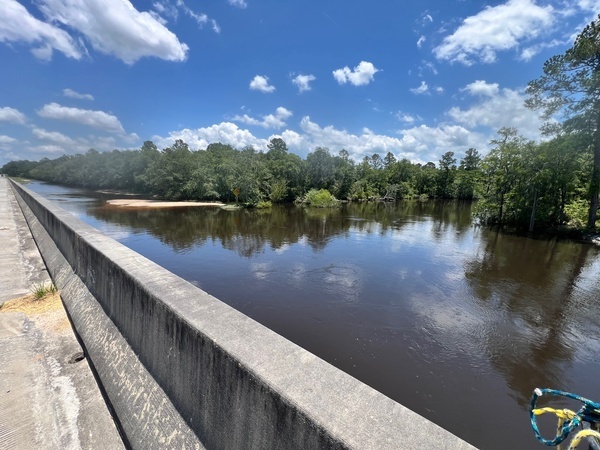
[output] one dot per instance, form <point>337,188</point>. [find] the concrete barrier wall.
<point>183,369</point>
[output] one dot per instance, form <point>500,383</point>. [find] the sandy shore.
<point>136,203</point>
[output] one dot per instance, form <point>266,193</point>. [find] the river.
<point>457,322</point>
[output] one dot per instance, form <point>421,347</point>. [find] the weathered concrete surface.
<point>20,264</point>
<point>45,401</point>
<point>167,352</point>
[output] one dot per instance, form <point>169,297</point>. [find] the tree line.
<point>221,172</point>
<point>521,183</point>
<point>516,177</point>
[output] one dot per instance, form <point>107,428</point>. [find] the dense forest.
<point>550,184</point>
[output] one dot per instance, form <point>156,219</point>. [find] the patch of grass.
<point>41,290</point>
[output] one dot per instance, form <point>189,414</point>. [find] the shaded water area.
<point>457,322</point>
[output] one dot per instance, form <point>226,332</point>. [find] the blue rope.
<point>589,412</point>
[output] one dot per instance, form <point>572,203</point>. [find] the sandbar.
<point>137,203</point>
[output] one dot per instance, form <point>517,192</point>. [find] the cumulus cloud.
<point>494,29</point>
<point>303,82</point>
<point>422,89</point>
<point>96,119</point>
<point>406,118</point>
<point>418,144</point>
<point>52,136</point>
<point>361,75</point>
<point>224,132</point>
<point>429,143</point>
<point>276,120</point>
<point>6,139</point>
<point>116,28</point>
<point>18,25</point>
<point>13,115</point>
<point>72,94</point>
<point>481,87</point>
<point>261,83</point>
<point>48,148</point>
<point>496,108</point>
<point>238,3</point>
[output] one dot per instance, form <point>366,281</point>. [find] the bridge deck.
<point>45,401</point>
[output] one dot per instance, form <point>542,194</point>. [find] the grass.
<point>42,290</point>
<point>44,298</point>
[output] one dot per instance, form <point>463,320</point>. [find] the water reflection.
<point>248,232</point>
<point>530,285</point>
<point>410,298</point>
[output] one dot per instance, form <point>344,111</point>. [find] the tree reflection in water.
<point>410,298</point>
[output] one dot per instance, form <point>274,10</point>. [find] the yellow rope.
<point>560,413</point>
<point>583,434</point>
<point>567,414</point>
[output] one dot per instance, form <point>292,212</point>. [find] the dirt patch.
<point>137,203</point>
<point>31,305</point>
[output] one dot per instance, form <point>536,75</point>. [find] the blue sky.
<point>413,78</point>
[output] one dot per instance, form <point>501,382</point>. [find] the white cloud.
<point>115,27</point>
<point>238,3</point>
<point>303,82</point>
<point>494,29</point>
<point>276,120</point>
<point>224,132</point>
<point>418,144</point>
<point>358,146</point>
<point>589,5</point>
<point>481,87</point>
<point>361,75</point>
<point>166,9</point>
<point>496,108</point>
<point>95,119</point>
<point>18,25</point>
<point>49,148</point>
<point>529,52</point>
<point>13,115</point>
<point>200,18</point>
<point>406,118</point>
<point>52,136</point>
<point>420,42</point>
<point>429,143</point>
<point>72,94</point>
<point>6,139</point>
<point>423,89</point>
<point>261,83</point>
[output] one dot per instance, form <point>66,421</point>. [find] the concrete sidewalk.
<point>49,397</point>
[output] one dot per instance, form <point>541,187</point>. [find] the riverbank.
<point>139,203</point>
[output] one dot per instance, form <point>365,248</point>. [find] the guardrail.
<point>182,369</point>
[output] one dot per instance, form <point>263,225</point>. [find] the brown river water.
<point>457,322</point>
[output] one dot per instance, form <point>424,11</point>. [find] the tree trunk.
<point>595,181</point>
<point>533,211</point>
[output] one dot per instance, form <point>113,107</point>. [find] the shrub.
<point>264,204</point>
<point>321,199</point>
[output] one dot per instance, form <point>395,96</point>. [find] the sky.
<point>416,78</point>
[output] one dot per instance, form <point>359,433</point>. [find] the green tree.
<point>320,167</point>
<point>468,175</point>
<point>446,175</point>
<point>570,87</point>
<point>501,171</point>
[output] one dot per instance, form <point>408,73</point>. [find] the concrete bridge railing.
<point>181,369</point>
